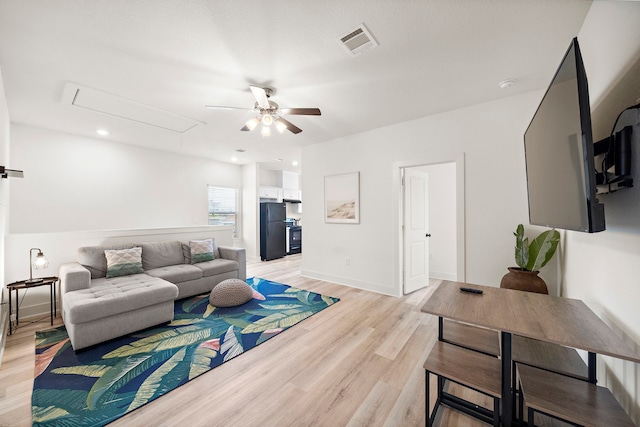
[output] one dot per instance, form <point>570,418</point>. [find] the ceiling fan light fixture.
<point>280,126</point>
<point>251,124</point>
<point>267,119</point>
<point>269,113</point>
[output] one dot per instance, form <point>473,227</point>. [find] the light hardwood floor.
<point>357,363</point>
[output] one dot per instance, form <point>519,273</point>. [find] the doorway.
<point>431,223</point>
<point>415,196</point>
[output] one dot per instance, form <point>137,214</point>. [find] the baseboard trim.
<point>30,312</point>
<point>359,284</point>
<point>443,276</point>
<point>4,328</point>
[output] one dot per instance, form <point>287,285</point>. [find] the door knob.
<point>428,235</point>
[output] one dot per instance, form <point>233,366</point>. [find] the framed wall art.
<point>342,198</point>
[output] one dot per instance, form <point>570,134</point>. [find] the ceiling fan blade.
<point>260,95</point>
<point>220,107</point>
<point>301,111</point>
<point>245,129</point>
<point>292,128</point>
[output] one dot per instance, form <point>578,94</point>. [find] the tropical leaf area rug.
<point>98,385</point>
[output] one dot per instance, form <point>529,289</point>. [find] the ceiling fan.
<point>270,113</point>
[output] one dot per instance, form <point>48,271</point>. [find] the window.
<point>223,207</point>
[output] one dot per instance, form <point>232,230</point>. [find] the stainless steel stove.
<point>293,237</point>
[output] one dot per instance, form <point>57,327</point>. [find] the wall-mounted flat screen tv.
<point>558,145</point>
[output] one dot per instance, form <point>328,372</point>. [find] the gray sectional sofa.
<point>97,308</point>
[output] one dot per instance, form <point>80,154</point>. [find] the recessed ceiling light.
<point>294,163</point>
<point>234,159</point>
<point>102,132</point>
<point>506,83</point>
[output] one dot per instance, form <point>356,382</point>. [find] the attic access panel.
<point>123,108</point>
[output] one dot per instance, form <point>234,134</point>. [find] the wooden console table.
<point>563,321</point>
<point>16,286</point>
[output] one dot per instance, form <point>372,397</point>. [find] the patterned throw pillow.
<point>201,250</point>
<point>123,262</point>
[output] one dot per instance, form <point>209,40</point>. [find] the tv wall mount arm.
<point>6,173</point>
<point>616,151</point>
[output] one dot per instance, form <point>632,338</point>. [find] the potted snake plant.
<point>530,258</point>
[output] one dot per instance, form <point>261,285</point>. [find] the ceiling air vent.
<point>358,41</point>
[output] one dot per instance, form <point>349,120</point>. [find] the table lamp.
<point>39,262</point>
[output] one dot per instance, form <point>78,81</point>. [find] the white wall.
<point>602,269</point>
<point>4,183</point>
<point>83,191</point>
<point>4,195</point>
<point>75,183</point>
<point>489,136</point>
<point>251,211</point>
<point>268,177</point>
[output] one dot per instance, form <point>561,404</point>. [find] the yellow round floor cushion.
<point>230,293</point>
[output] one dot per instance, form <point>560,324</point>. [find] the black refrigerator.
<point>272,231</point>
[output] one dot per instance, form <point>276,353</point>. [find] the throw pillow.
<point>201,250</point>
<point>123,262</point>
<point>186,251</point>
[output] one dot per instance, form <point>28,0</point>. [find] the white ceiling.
<point>433,56</point>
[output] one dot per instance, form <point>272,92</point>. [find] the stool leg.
<point>427,420</point>
<point>515,392</point>
<point>530,419</point>
<point>496,412</point>
<point>521,405</point>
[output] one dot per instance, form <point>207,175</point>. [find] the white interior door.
<point>416,230</point>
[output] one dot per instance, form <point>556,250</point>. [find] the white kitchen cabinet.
<point>289,180</point>
<point>271,193</point>
<point>290,194</point>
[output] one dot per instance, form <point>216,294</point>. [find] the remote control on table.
<point>471,290</point>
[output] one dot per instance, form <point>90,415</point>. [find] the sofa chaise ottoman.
<point>117,307</point>
<point>116,290</point>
